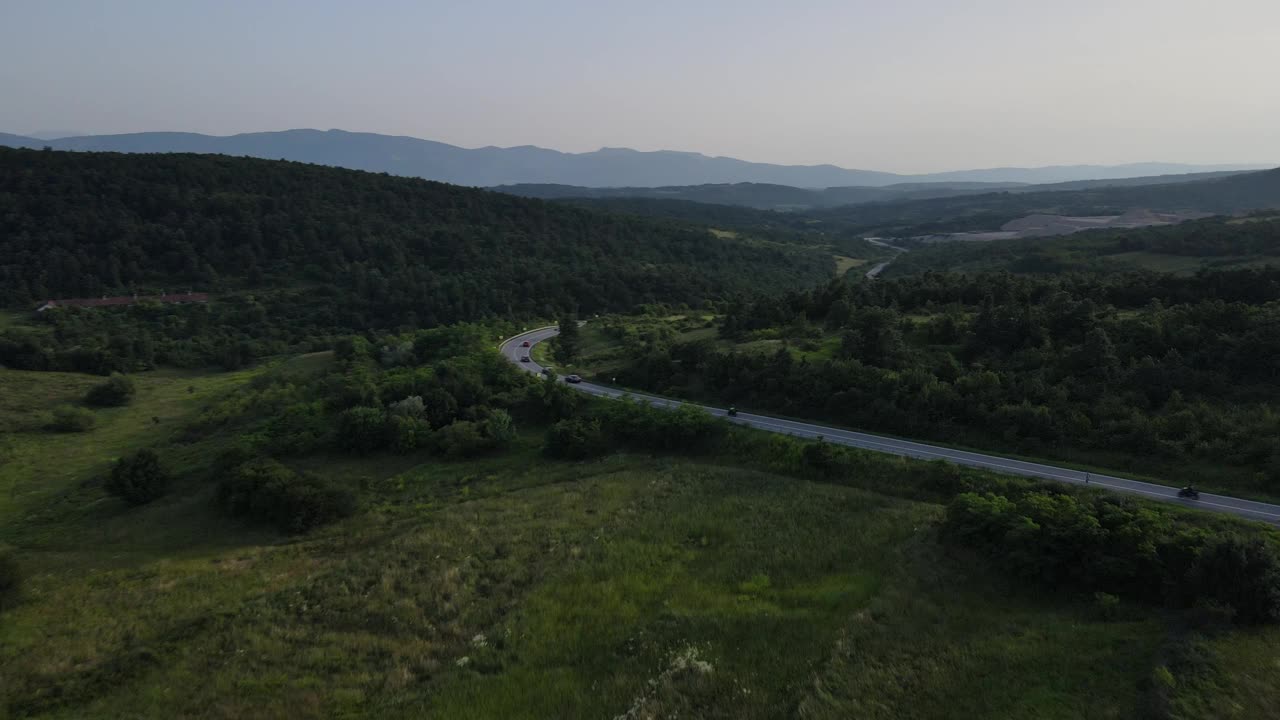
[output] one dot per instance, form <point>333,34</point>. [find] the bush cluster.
<point>576,439</point>
<point>138,478</point>
<point>1111,545</point>
<point>267,491</point>
<point>69,418</point>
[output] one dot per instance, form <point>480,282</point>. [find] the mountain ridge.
<point>529,164</point>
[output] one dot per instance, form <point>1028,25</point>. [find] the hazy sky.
<point>903,85</point>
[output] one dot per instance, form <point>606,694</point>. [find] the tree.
<point>575,439</point>
<point>412,406</point>
<point>352,348</point>
<point>1243,574</point>
<point>139,478</point>
<point>267,491</point>
<point>552,400</point>
<point>499,428</point>
<point>568,342</point>
<point>406,433</point>
<point>362,429</point>
<point>117,390</point>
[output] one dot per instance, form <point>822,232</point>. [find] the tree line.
<point>1135,367</point>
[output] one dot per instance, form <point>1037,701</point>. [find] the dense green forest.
<point>1210,242</point>
<point>296,254</point>
<point>1131,369</point>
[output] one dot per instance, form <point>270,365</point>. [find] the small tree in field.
<point>139,478</point>
<point>117,390</point>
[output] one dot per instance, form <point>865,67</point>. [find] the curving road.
<point>1249,509</point>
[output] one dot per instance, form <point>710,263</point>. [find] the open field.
<point>42,470</point>
<point>517,587</point>
<point>521,589</point>
<point>845,264</point>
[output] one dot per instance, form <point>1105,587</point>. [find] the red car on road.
<point>524,344</point>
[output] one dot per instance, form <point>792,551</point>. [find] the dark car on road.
<point>549,371</point>
<point>572,379</point>
<point>524,358</point>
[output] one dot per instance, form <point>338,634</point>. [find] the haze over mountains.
<point>607,167</point>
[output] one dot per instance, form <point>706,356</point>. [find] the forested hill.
<point>380,248</point>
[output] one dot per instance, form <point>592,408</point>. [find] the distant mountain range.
<point>607,167</point>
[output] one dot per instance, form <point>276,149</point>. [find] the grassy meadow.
<point>513,586</point>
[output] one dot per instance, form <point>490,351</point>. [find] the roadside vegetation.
<point>1166,377</point>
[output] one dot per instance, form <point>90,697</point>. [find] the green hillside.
<point>294,255</point>
<point>87,224</point>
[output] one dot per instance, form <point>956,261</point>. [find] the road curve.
<point>513,349</point>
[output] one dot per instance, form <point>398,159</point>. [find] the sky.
<point>901,85</point>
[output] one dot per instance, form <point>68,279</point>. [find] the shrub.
<point>139,478</point>
<point>299,428</point>
<point>10,576</point>
<point>685,429</point>
<point>1106,605</point>
<point>821,456</point>
<point>575,439</point>
<point>462,439</point>
<point>69,418</point>
<point>266,491</point>
<point>362,429</point>
<point>116,391</point>
<point>351,348</point>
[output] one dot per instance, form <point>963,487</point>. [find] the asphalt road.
<point>1249,509</point>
